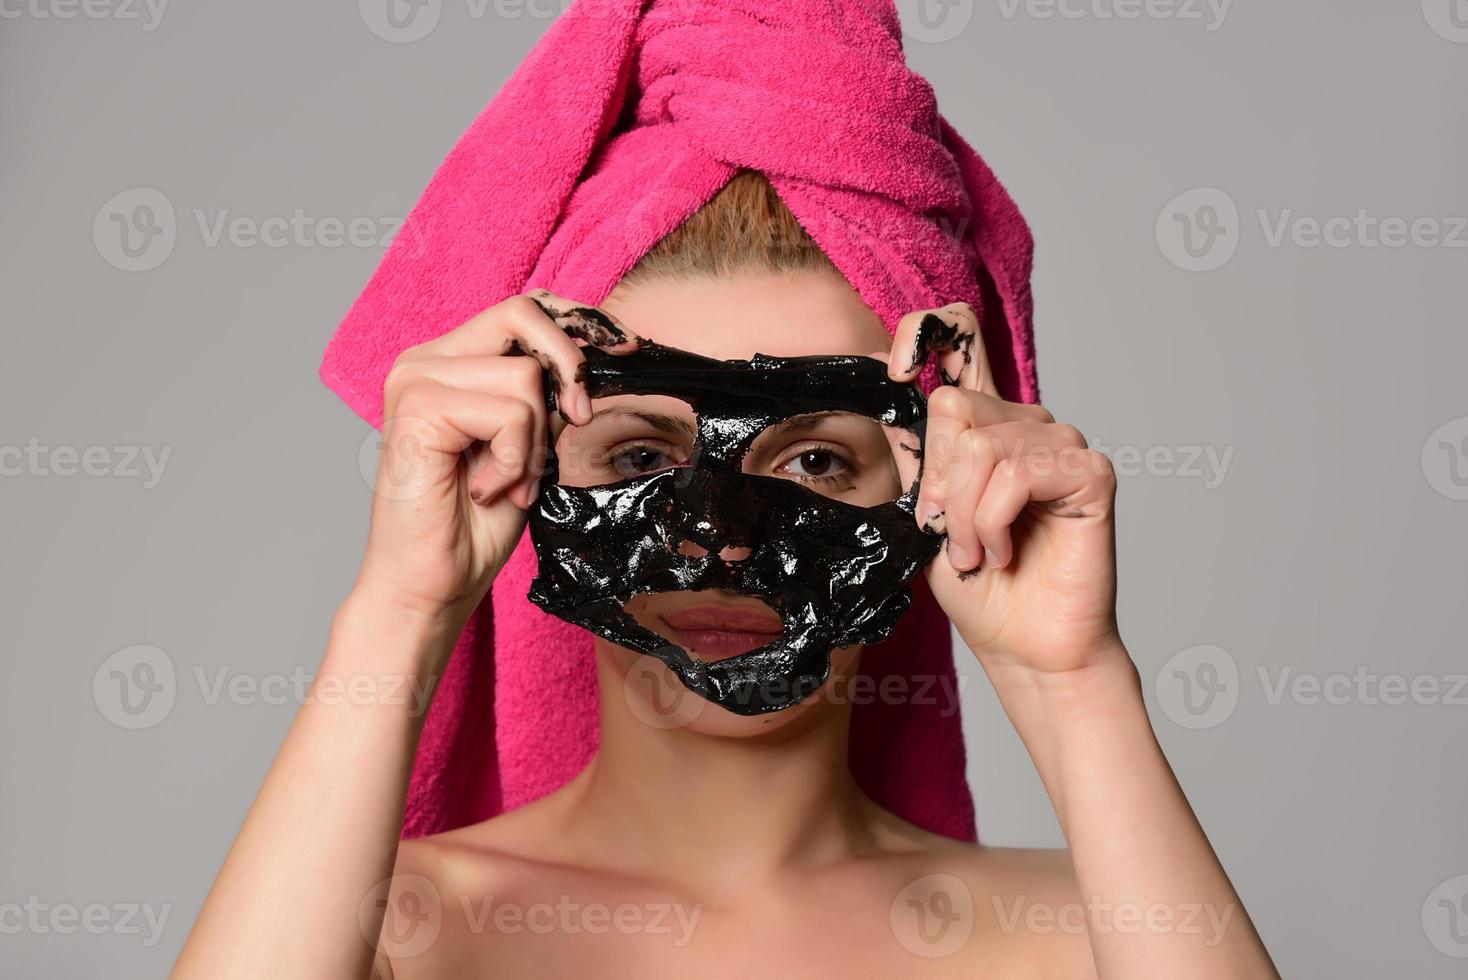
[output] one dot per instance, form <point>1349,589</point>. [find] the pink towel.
<point>626,118</point>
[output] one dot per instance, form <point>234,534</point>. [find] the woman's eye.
<point>641,459</point>
<point>815,464</point>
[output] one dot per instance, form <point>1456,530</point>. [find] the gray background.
<point>1332,542</point>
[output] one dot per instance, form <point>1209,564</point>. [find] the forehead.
<point>737,316</point>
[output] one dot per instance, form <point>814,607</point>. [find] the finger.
<point>979,408</point>
<point>517,377</point>
<point>592,324</point>
<point>952,334</point>
<point>542,329</point>
<point>1074,483</point>
<point>493,375</point>
<point>458,419</point>
<point>950,487</point>
<point>974,459</point>
<point>940,439</point>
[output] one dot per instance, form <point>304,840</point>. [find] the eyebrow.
<point>662,423</point>
<point>803,423</point>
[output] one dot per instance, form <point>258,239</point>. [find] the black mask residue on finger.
<point>836,573</point>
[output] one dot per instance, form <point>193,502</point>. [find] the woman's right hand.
<point>463,448</point>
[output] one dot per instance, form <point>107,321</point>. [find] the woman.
<point>714,843</point>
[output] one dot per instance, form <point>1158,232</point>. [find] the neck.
<point>769,792</point>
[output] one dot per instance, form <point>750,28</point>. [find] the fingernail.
<point>583,405</point>
<point>958,556</point>
<point>534,492</point>
<point>991,560</point>
<point>926,511</point>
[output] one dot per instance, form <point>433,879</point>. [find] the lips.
<point>714,632</point>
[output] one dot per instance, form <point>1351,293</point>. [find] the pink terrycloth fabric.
<point>625,119</point>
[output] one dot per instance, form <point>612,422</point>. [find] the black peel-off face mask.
<point>837,573</point>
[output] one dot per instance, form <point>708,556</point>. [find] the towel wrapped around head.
<point>624,120</point>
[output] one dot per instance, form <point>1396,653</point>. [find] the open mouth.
<point>712,625</point>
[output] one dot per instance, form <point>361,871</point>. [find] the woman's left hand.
<point>1028,572</point>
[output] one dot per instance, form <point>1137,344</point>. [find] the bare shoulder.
<point>488,856</point>
<point>1019,906</point>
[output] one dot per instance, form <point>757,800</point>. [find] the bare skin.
<point>710,844</point>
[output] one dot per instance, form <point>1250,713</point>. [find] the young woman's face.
<point>842,456</point>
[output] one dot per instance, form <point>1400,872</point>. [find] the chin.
<point>653,696</point>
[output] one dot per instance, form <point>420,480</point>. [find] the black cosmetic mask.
<point>836,573</point>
